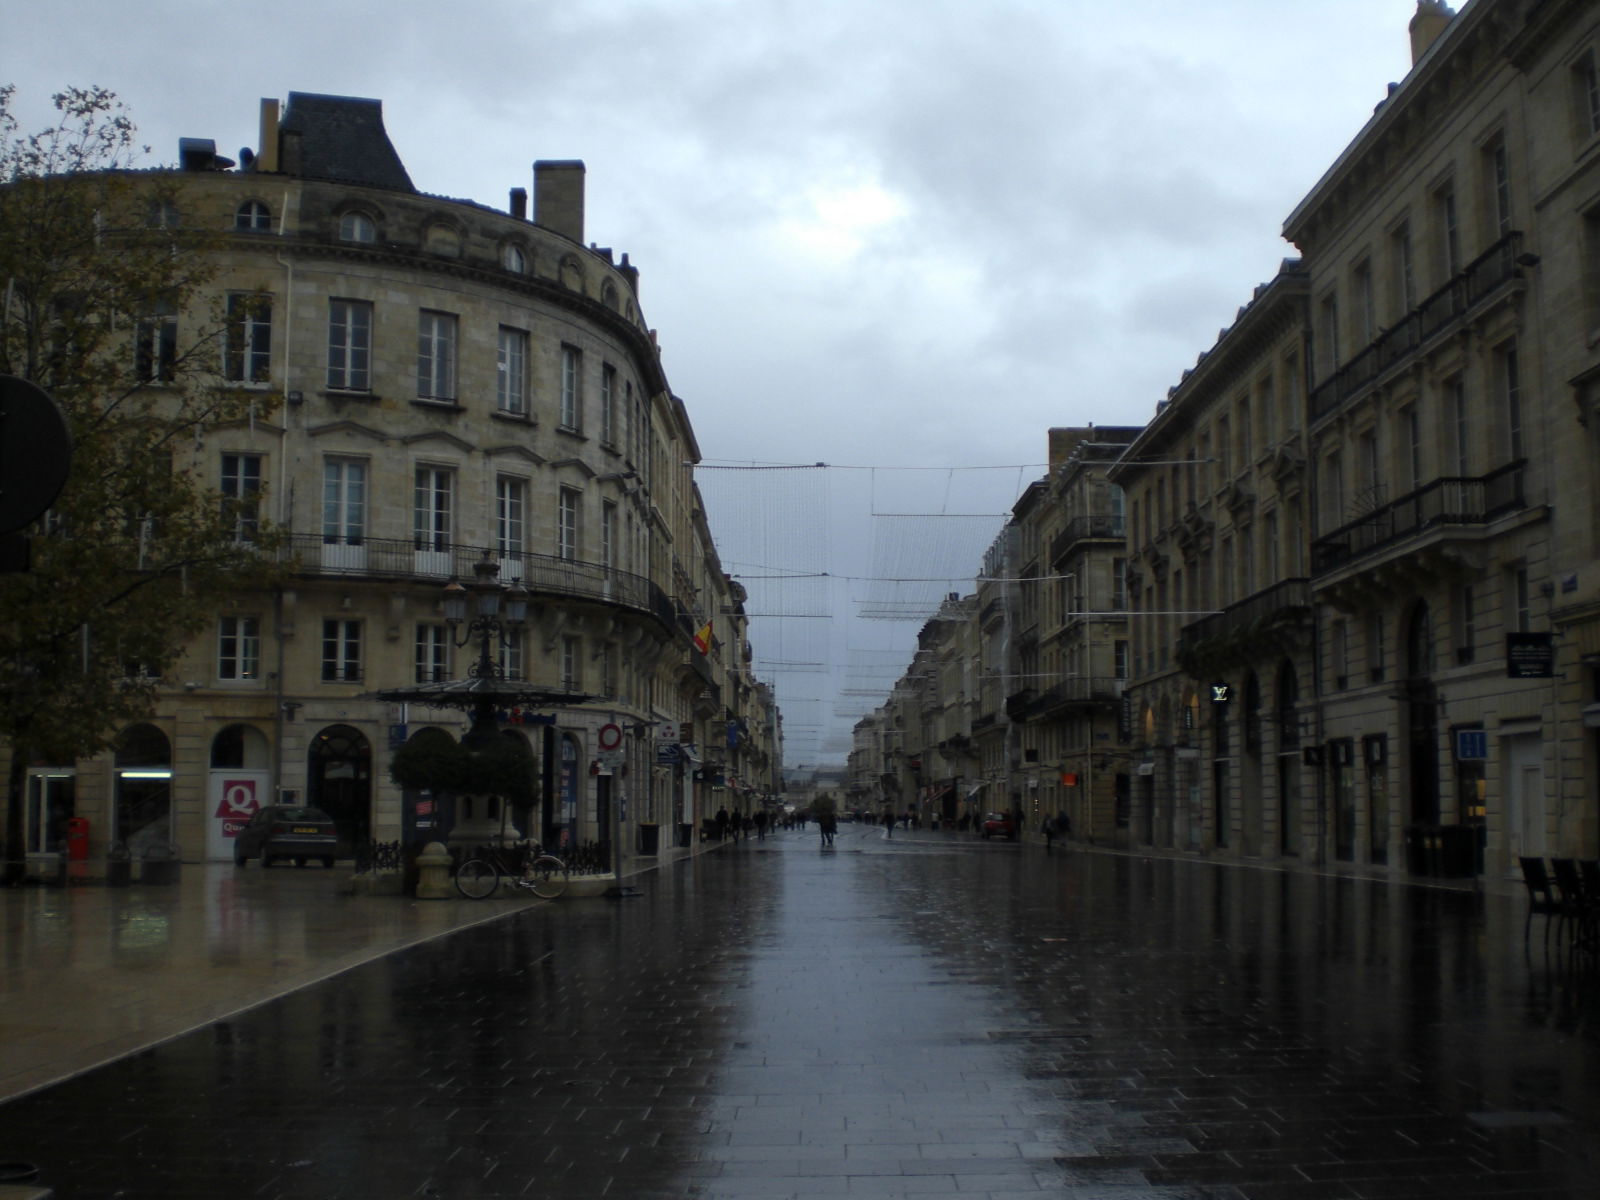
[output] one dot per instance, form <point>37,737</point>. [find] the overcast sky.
<point>877,233</point>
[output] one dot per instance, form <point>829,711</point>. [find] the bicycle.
<point>543,874</point>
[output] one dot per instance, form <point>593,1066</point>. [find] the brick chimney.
<point>558,197</point>
<point>1433,17</point>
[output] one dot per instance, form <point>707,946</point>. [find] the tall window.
<point>430,510</point>
<point>1119,584</point>
<point>1411,431</point>
<point>239,648</point>
<point>572,663</point>
<point>247,351</point>
<point>510,504</point>
<point>1333,479</point>
<point>608,535</point>
<point>1377,648</point>
<point>1328,332</point>
<point>567,525</point>
<point>341,651</point>
<point>510,654</point>
<point>241,492</point>
<point>1466,623</point>
<point>571,388</point>
<point>511,372</point>
<point>1456,389</point>
<point>608,404</point>
<point>1519,614</point>
<point>1449,231</point>
<point>156,345</point>
<point>1511,396</point>
<point>1119,661</point>
<point>1405,265</point>
<point>1498,169</point>
<point>1587,79</point>
<point>344,502</point>
<point>436,356</point>
<point>433,652</point>
<point>1368,303</point>
<point>349,345</point>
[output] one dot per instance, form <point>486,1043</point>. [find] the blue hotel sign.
<point>1472,745</point>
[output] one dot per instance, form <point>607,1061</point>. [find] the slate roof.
<point>342,138</point>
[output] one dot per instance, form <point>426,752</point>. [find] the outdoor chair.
<point>1576,906</point>
<point>1542,897</point>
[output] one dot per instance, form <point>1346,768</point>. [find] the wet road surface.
<point>922,1016</point>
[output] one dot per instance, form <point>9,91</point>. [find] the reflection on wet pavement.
<point>921,1016</point>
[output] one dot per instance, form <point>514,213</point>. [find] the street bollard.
<point>433,878</point>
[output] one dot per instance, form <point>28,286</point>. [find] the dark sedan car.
<point>287,831</point>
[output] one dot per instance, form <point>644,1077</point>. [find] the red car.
<point>999,825</point>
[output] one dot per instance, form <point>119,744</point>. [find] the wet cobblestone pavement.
<point>915,1017</point>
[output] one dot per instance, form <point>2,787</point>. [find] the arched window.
<point>253,217</point>
<point>513,259</point>
<point>357,227</point>
<point>608,295</point>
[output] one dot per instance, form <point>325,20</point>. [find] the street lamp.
<point>498,614</point>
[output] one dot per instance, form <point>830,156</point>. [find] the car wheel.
<point>300,862</point>
<point>238,859</point>
<point>265,860</point>
<point>328,862</point>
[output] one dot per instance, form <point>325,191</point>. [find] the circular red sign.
<point>610,737</point>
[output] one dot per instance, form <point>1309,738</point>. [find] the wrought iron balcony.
<point>1452,501</point>
<point>402,559</point>
<point>1101,526</point>
<point>1445,309</point>
<point>1212,642</point>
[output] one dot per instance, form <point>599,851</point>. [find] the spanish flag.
<point>702,640</point>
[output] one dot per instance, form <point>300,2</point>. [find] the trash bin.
<point>77,839</point>
<point>685,836</point>
<point>1458,850</point>
<point>649,837</point>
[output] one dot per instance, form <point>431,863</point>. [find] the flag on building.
<point>702,640</point>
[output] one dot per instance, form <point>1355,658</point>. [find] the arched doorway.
<point>339,782</point>
<point>1421,719</point>
<point>239,783</point>
<point>1288,722</point>
<point>142,817</point>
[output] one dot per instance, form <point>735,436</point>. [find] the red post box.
<point>77,839</point>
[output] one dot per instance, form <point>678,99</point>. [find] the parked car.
<point>999,825</point>
<point>286,831</point>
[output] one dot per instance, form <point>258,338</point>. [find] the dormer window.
<point>514,260</point>
<point>357,227</point>
<point>253,217</point>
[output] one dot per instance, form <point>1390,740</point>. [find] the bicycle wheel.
<point>547,877</point>
<point>477,879</point>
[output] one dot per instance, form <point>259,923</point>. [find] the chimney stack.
<point>1432,19</point>
<point>558,197</point>
<point>267,147</point>
<point>519,203</point>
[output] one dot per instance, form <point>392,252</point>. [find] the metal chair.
<point>1576,905</point>
<point>1542,898</point>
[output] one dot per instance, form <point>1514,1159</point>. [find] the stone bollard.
<point>433,879</point>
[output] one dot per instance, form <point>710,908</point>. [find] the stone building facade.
<point>442,385</point>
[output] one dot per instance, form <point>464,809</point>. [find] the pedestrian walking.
<point>888,823</point>
<point>761,824</point>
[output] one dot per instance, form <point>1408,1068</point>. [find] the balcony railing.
<point>1445,308</point>
<point>1079,529</point>
<point>1287,597</point>
<point>1450,501</point>
<point>542,574</point>
<point>1073,692</point>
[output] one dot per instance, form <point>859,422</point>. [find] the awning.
<point>976,788</point>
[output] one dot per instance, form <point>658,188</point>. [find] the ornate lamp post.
<point>497,615</point>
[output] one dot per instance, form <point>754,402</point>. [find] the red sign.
<point>237,805</point>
